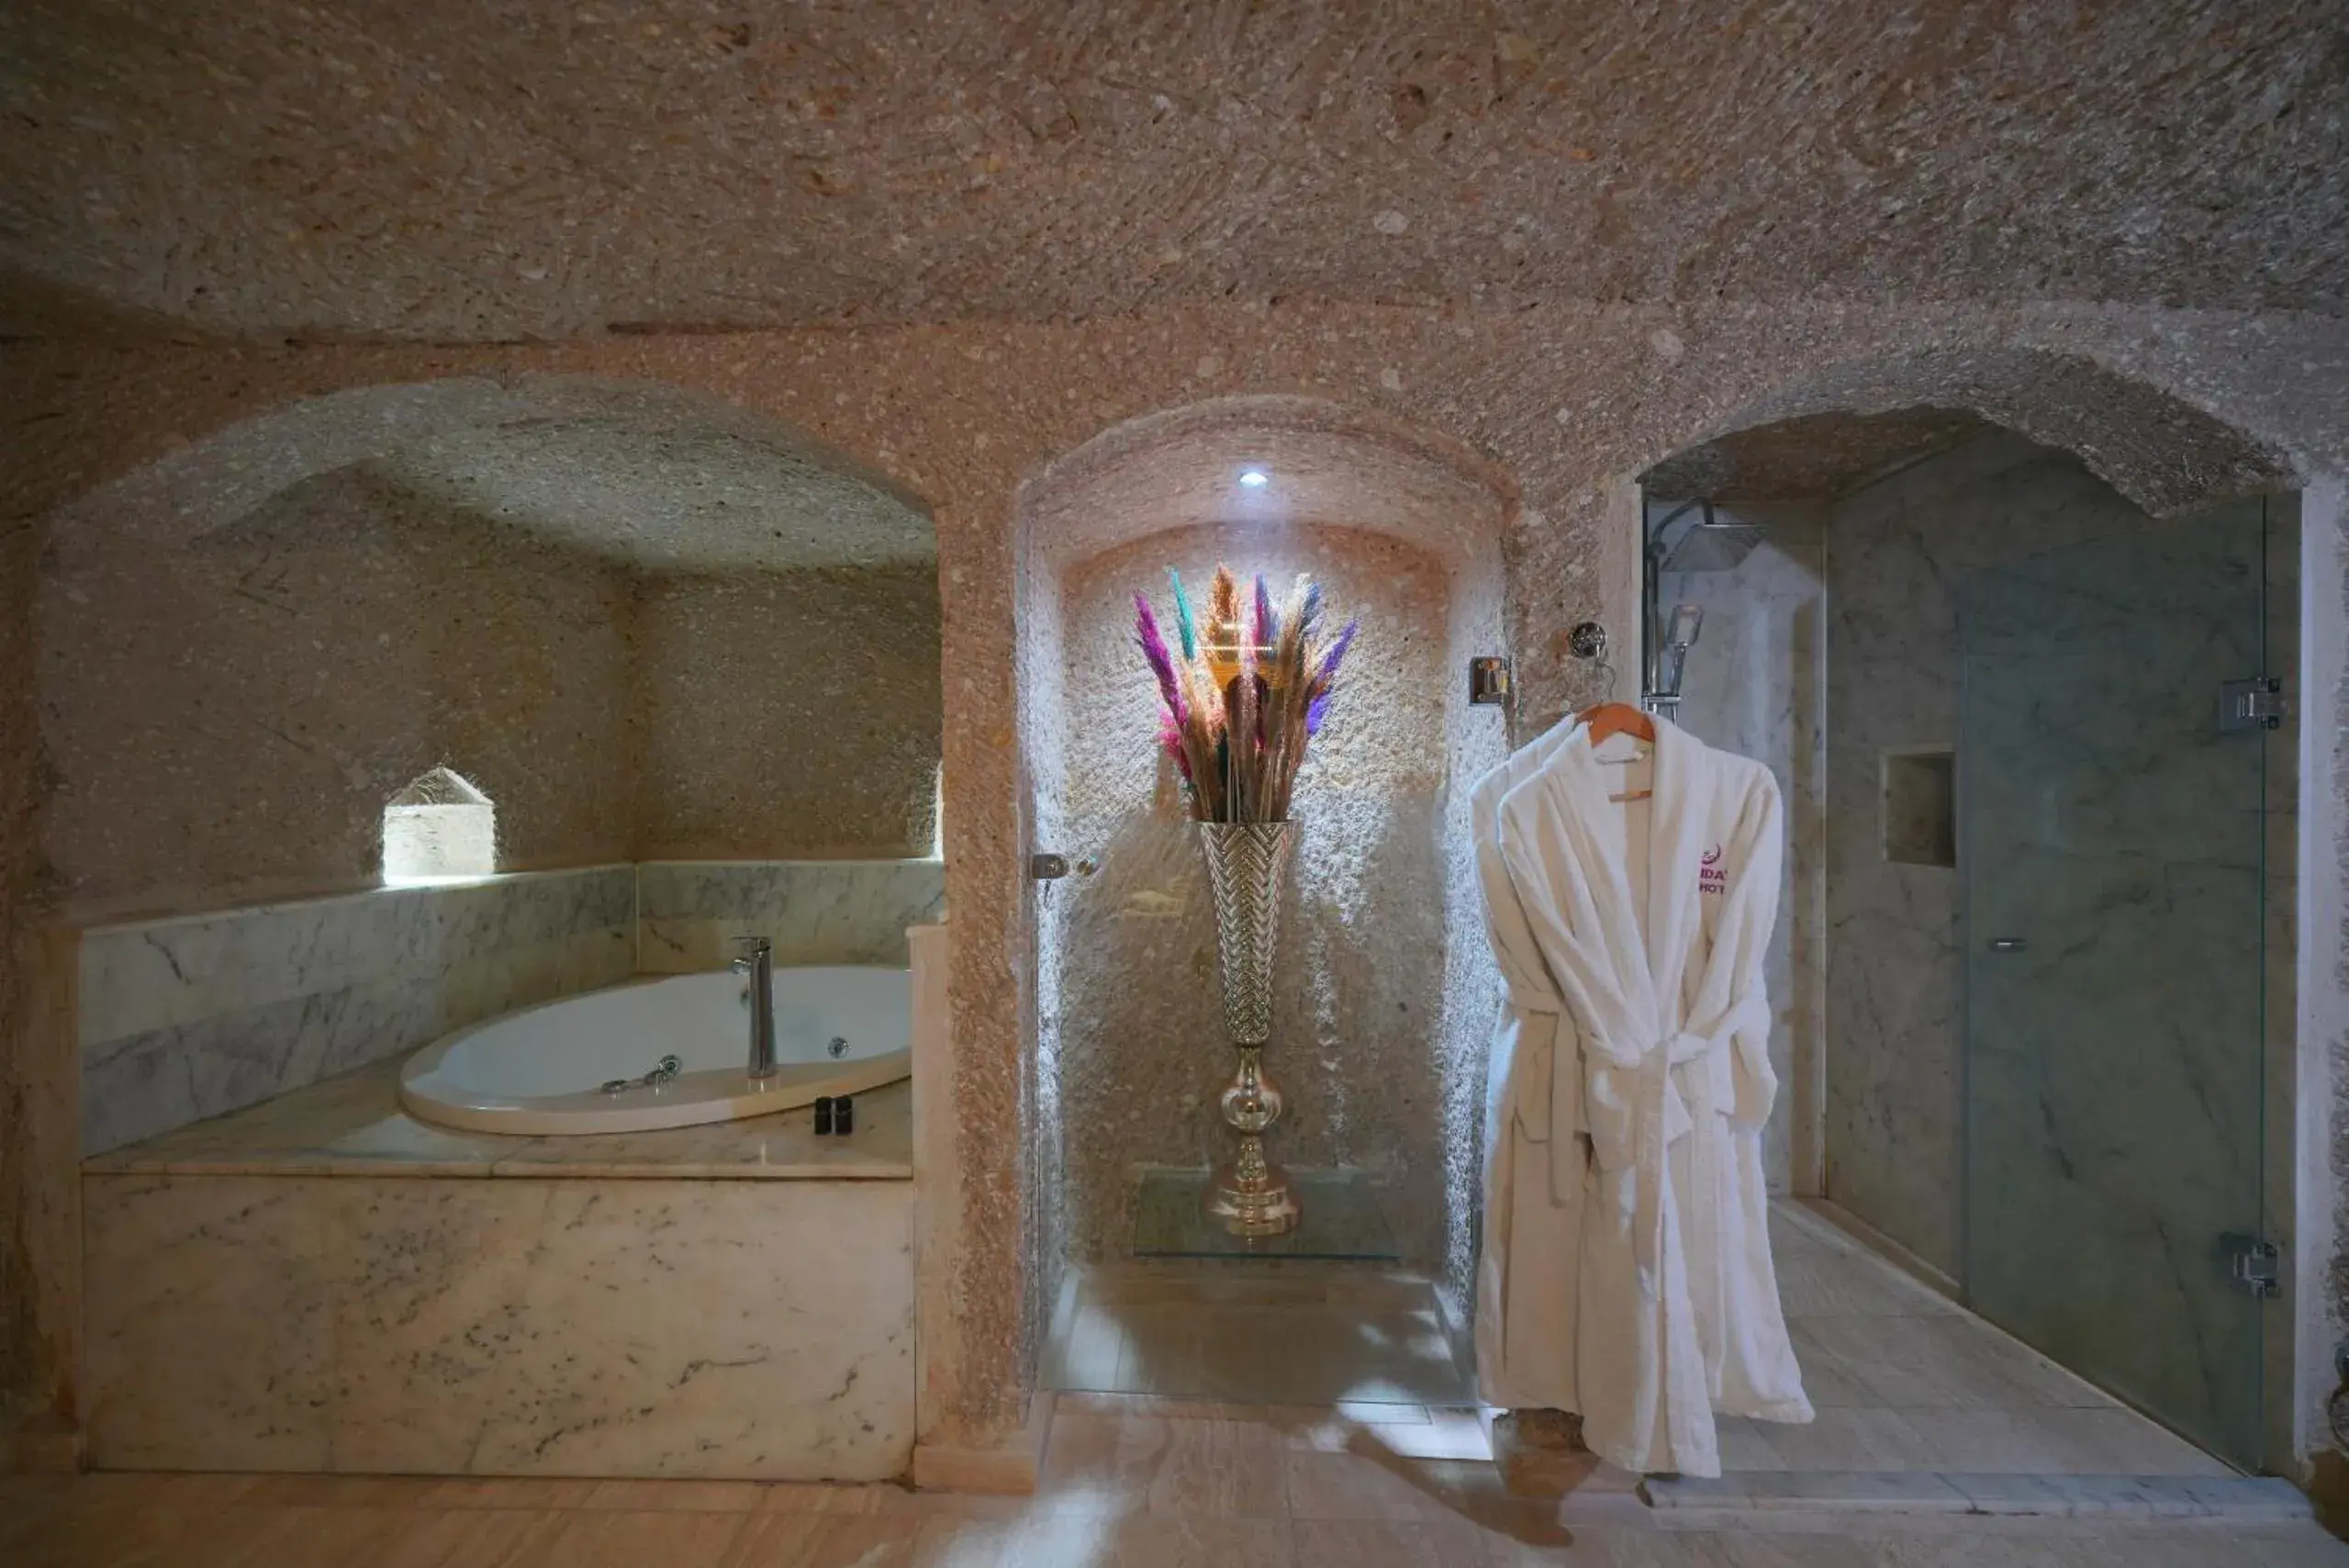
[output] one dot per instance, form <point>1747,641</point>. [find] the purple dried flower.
<point>1315,710</point>
<point>1170,737</point>
<point>1327,670</point>
<point>1268,624</point>
<point>1154,648</point>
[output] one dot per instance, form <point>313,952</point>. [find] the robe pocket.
<point>1613,1119</point>
<point>1722,1079</point>
<point>1546,1096</point>
<point>1754,1082</point>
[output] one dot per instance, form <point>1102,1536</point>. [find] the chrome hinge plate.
<point>2255,702</point>
<point>2254,1265</point>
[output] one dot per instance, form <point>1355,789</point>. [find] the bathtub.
<point>561,1067</point>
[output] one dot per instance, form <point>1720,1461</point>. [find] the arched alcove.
<point>1379,1014</point>
<point>1845,423</point>
<point>440,828</point>
<point>623,604</point>
<point>2002,590</point>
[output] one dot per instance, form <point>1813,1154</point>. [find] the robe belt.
<point>1637,1110</point>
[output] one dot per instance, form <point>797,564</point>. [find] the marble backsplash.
<point>815,911</point>
<point>199,1015</point>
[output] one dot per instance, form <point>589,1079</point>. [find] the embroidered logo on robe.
<point>1710,878</point>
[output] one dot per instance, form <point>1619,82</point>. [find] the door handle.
<point>2007,943</point>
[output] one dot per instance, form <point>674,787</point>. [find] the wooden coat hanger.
<point>1608,720</point>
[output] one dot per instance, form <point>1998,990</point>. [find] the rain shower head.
<point>1691,538</point>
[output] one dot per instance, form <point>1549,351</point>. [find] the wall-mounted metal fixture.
<point>2254,1264</point>
<point>1048,867</point>
<point>1587,640</point>
<point>2256,703</point>
<point>1671,660</point>
<point>1688,538</point>
<point>1488,682</point>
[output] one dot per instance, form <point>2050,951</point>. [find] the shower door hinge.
<point>2254,703</point>
<point>2254,1264</point>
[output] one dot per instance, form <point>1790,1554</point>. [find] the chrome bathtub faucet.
<point>759,962</point>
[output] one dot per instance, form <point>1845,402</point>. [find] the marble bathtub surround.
<point>458,1326</point>
<point>199,1015</point>
<point>815,911</point>
<point>352,1126</point>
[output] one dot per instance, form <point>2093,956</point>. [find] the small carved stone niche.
<point>438,829</point>
<point>1920,806</point>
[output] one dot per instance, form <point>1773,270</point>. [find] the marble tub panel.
<point>208,1324</point>
<point>193,1017</point>
<point>647,1328</point>
<point>510,1327</point>
<point>815,911</point>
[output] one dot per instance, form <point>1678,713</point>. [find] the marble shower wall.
<point>815,911</point>
<point>2111,1075</point>
<point>1897,552</point>
<point>1756,684</point>
<point>199,1015</point>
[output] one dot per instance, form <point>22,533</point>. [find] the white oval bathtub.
<point>544,1069</point>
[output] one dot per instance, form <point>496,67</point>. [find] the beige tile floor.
<point>1247,1330</point>
<point>1121,1490</point>
<point>1903,1379</point>
<point>1147,1479</point>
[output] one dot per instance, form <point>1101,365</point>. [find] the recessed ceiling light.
<point>1255,478</point>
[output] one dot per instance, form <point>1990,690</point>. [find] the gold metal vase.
<point>1246,862</point>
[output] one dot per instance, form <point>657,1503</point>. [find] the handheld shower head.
<point>1680,635</point>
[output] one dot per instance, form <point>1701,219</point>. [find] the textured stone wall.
<point>787,714</point>
<point>1476,739</point>
<point>423,170</point>
<point>1568,401</point>
<point>228,713</point>
<point>37,1211</point>
<point>2321,1128</point>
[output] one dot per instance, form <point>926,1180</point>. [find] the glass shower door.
<point>2110,843</point>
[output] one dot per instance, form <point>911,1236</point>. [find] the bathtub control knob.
<point>839,1047</point>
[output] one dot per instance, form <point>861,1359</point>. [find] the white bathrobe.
<point>1649,920</point>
